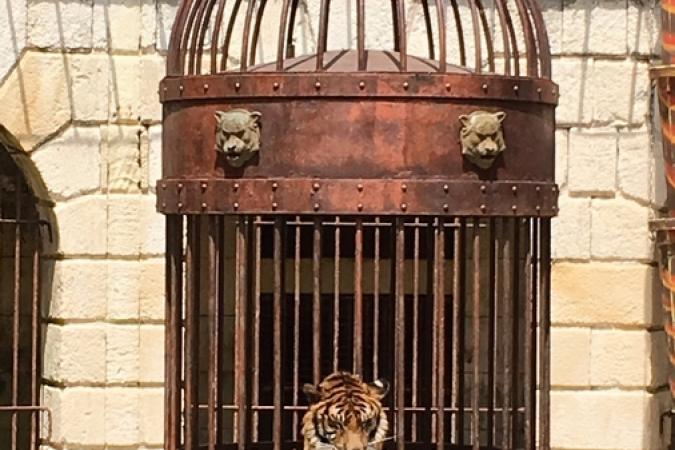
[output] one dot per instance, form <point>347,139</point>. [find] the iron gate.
<point>20,318</point>
<point>366,210</point>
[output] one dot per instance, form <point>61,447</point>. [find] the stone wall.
<point>78,87</point>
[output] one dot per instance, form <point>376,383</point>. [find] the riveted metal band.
<point>370,197</point>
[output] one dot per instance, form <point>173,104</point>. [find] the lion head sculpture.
<point>238,135</point>
<point>481,137</point>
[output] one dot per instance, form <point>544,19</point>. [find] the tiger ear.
<point>312,393</point>
<point>379,388</point>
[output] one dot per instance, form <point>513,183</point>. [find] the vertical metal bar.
<point>376,298</point>
<point>403,46</point>
<point>475,385</point>
<point>542,41</point>
<point>245,36</point>
<point>35,338</point>
<point>257,267</point>
<point>16,309</point>
<point>512,36</point>
<point>228,35</point>
<point>399,330</point>
<point>442,58</point>
<point>505,36</point>
<point>439,338</point>
<point>544,334</point>
<point>488,36</point>
<point>192,336</point>
<point>336,297</point>
<point>430,31</point>
<point>458,330</point>
<point>415,326</point>
<point>213,248</point>
<point>530,45</point>
<point>296,323</point>
<point>280,44</point>
<point>515,331</point>
<point>323,34</point>
<point>191,31</point>
<point>173,334</point>
<point>394,20</point>
<point>361,33</point>
<point>460,32</point>
<point>316,291</point>
<point>476,36</point>
<point>215,36</point>
<point>507,327</point>
<point>256,30</point>
<point>492,331</point>
<point>203,28</point>
<point>278,299</point>
<point>358,296</point>
<point>241,307</point>
<point>531,336</point>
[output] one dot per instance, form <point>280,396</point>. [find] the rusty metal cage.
<point>376,211</point>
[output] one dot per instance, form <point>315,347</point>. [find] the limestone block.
<point>148,24</point>
<point>122,353</point>
<point>605,419</point>
<point>124,84</point>
<point>602,293</point>
<point>124,284</point>
<point>152,290</point>
<point>153,225</point>
<point>35,106</point>
<point>121,416</point>
<point>124,224</point>
<point>123,158</point>
<point>151,368</point>
<point>80,146</point>
<point>620,91</point>
<point>117,24</point>
<point>561,147</point>
<point>570,356</point>
<point>12,34</point>
<point>78,414</point>
<point>635,170</point>
<point>620,358</point>
<point>74,353</point>
<point>155,155</point>
<point>643,27</point>
<point>594,26</point>
<point>78,290</point>
<point>571,229</point>
<point>574,105</point>
<point>552,10</point>
<point>89,86</point>
<point>82,226</point>
<point>151,408</point>
<point>58,24</point>
<point>619,230</point>
<point>592,161</point>
<point>152,70</point>
<point>659,360</point>
<point>166,12</point>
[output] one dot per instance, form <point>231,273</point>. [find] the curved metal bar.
<point>192,32</point>
<point>460,32</point>
<point>216,35</point>
<point>282,31</point>
<point>243,63</point>
<point>256,31</point>
<point>394,21</point>
<point>442,57</point>
<point>202,34</point>
<point>488,36</point>
<point>290,46</point>
<point>228,35</point>
<point>361,33</point>
<point>476,36</point>
<point>323,34</point>
<point>505,36</point>
<point>430,32</point>
<point>514,41</point>
<point>175,64</point>
<point>543,46</point>
<point>530,45</point>
<point>403,46</point>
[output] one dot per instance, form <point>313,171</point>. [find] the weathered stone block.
<point>151,407</point>
<point>570,356</point>
<point>620,358</point>
<point>124,284</point>
<point>151,354</point>
<point>619,91</point>
<point>77,290</point>
<point>594,26</point>
<point>12,34</point>
<point>89,86</point>
<point>592,161</point>
<point>574,105</point>
<point>78,414</point>
<point>121,416</point>
<point>75,353</point>
<point>643,27</point>
<point>561,151</point>
<point>62,25</point>
<point>80,146</point>
<point>153,225</point>
<point>166,12</point>
<point>635,171</point>
<point>152,290</point>
<point>124,224</point>
<point>152,70</point>
<point>117,24</point>
<point>602,293</point>
<point>571,229</point>
<point>123,158</point>
<point>82,226</point>
<point>619,230</point>
<point>122,353</point>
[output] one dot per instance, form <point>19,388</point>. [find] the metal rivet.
<point>163,185</point>
<point>538,189</point>
<point>485,87</point>
<point>275,185</point>
<point>514,207</point>
<point>538,208</point>
<point>483,208</point>
<point>553,189</point>
<point>237,85</point>
<point>514,189</point>
<point>515,88</point>
<point>446,207</point>
<point>446,188</point>
<point>163,204</point>
<point>204,185</point>
<point>404,187</point>
<point>275,86</point>
<point>316,206</point>
<point>180,205</point>
<point>359,187</point>
<point>538,90</point>
<point>483,189</point>
<point>404,206</point>
<point>180,185</point>
<point>203,205</point>
<point>362,84</point>
<point>236,186</point>
<point>275,205</point>
<point>447,87</point>
<point>316,186</point>
<point>553,91</point>
<point>206,87</point>
<point>236,205</point>
<point>406,85</point>
<point>166,89</point>
<point>181,88</point>
<point>317,85</point>
<point>359,206</point>
<point>554,208</point>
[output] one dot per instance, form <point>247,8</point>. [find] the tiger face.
<point>345,413</point>
<point>238,135</point>
<point>482,138</point>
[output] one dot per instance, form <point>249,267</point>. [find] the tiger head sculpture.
<point>482,138</point>
<point>238,135</point>
<point>345,413</point>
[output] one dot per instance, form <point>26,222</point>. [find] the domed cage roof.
<point>504,37</point>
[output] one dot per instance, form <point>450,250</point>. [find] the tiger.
<point>345,413</point>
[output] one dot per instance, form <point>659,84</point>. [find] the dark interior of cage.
<point>481,369</point>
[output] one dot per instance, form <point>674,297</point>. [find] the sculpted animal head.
<point>345,413</point>
<point>481,137</point>
<point>238,135</point>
